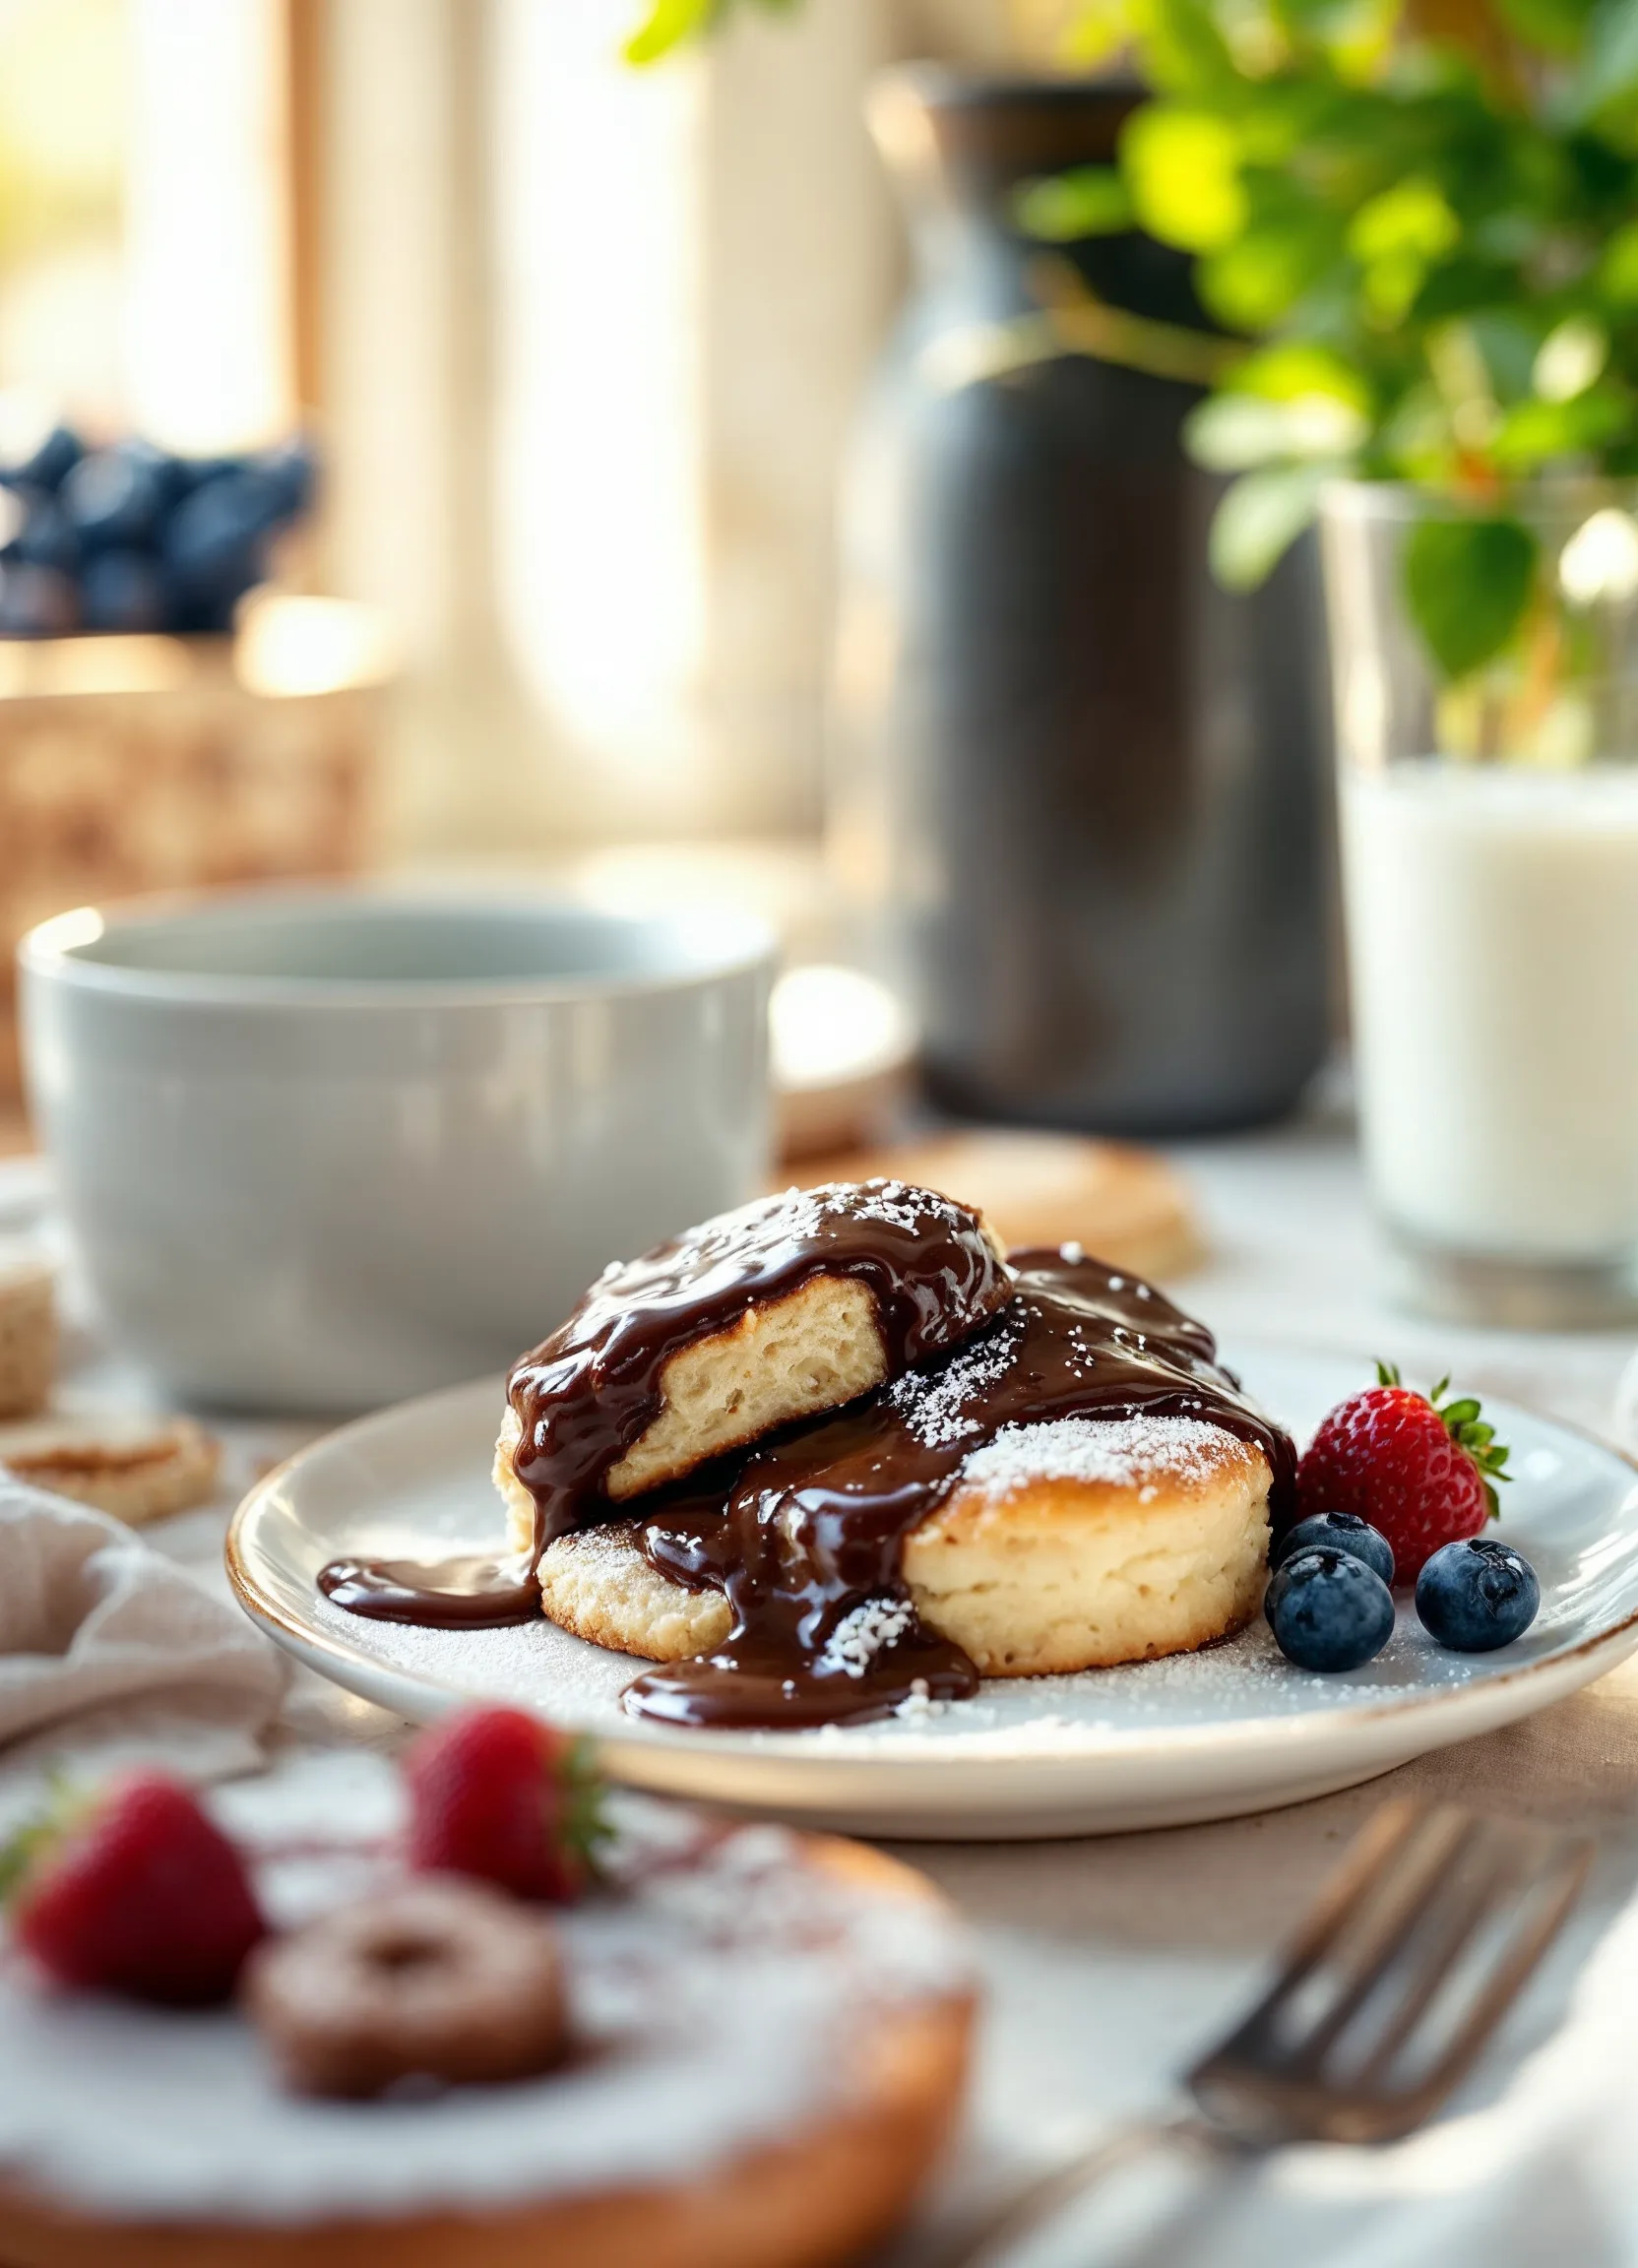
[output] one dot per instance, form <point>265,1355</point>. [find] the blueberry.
<point>1476,1595</point>
<point>43,536</point>
<point>294,469</point>
<point>1338,1531</point>
<point>118,497</point>
<point>191,473</point>
<point>1329,1610</point>
<point>123,591</point>
<point>215,543</point>
<point>39,457</point>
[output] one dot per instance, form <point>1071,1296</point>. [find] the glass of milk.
<point>1490,835</point>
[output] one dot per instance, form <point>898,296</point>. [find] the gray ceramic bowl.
<point>321,1148</point>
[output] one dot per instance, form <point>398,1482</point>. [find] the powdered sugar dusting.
<point>717,1995</point>
<point>935,1405</point>
<point>802,1216</point>
<point>861,1636</point>
<point>1125,1452</point>
<point>1244,1680</point>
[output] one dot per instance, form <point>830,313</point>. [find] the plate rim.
<point>1087,1746</point>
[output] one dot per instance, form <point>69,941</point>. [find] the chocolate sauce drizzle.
<point>808,1542</point>
<point>473,1592</point>
<point>804,1534</point>
<point>586,1393</point>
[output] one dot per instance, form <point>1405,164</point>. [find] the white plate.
<point>1205,1735</point>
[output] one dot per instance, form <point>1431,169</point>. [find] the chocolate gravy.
<point>804,1534</point>
<point>474,1591</point>
<point>807,1547</point>
<point>586,1393</point>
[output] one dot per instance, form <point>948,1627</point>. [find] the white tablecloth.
<point>1112,1961</point>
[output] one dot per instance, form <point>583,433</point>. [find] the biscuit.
<point>793,1357</point>
<point>28,1335</point>
<point>809,1352</point>
<point>1072,1545</point>
<point>597,1583</point>
<point>136,1468</point>
<point>1126,1205</point>
<point>1083,1543</point>
<point>781,1311</point>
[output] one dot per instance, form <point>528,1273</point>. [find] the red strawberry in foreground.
<point>1421,1470</point>
<point>134,1891</point>
<point>497,1793</point>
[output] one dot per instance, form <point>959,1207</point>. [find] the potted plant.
<point>1428,224</point>
<point>1418,220</point>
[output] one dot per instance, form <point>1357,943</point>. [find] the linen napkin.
<point>111,1656</point>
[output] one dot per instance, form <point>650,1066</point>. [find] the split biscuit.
<point>746,1362</point>
<point>1072,1545</point>
<point>781,1361</point>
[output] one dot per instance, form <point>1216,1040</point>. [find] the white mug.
<point>322,1148</point>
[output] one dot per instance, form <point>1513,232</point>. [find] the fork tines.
<point>1409,1961</point>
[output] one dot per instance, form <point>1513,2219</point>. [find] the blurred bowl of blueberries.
<point>132,537</point>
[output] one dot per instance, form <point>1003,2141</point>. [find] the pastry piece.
<point>1067,1546</point>
<point>1086,1541</point>
<point>1078,1483</point>
<point>597,1583</point>
<point>772,2036</point>
<point>438,1979</point>
<point>790,1306</point>
<point>1126,1205</point>
<point>28,1335</point>
<point>136,1468</point>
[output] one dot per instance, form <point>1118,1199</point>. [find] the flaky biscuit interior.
<point>783,1359</point>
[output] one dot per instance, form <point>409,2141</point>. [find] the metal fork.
<point>1413,1955</point>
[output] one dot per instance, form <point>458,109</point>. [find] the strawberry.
<point>1423,1472</point>
<point>133,1890</point>
<point>497,1793</point>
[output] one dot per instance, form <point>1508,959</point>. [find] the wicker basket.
<point>137,764</point>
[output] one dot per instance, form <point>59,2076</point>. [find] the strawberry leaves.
<point>584,1824</point>
<point>1463,1422</point>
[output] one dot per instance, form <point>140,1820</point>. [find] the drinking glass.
<point>1489,836</point>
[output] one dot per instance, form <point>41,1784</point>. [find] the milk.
<point>1493,928</point>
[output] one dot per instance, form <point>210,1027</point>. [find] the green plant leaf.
<point>1571,358</point>
<point>1097,31</point>
<point>1558,26</point>
<point>1294,368</point>
<point>1234,431</point>
<point>670,23</point>
<point>1064,208</point>
<point>1466,583</point>
<point>1252,284</point>
<point>1466,285</point>
<point>1617,269</point>
<point>1184,50</point>
<point>1260,518</point>
<point>1413,217</point>
<point>1607,71</point>
<point>1536,433</point>
<point>1182,167</point>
